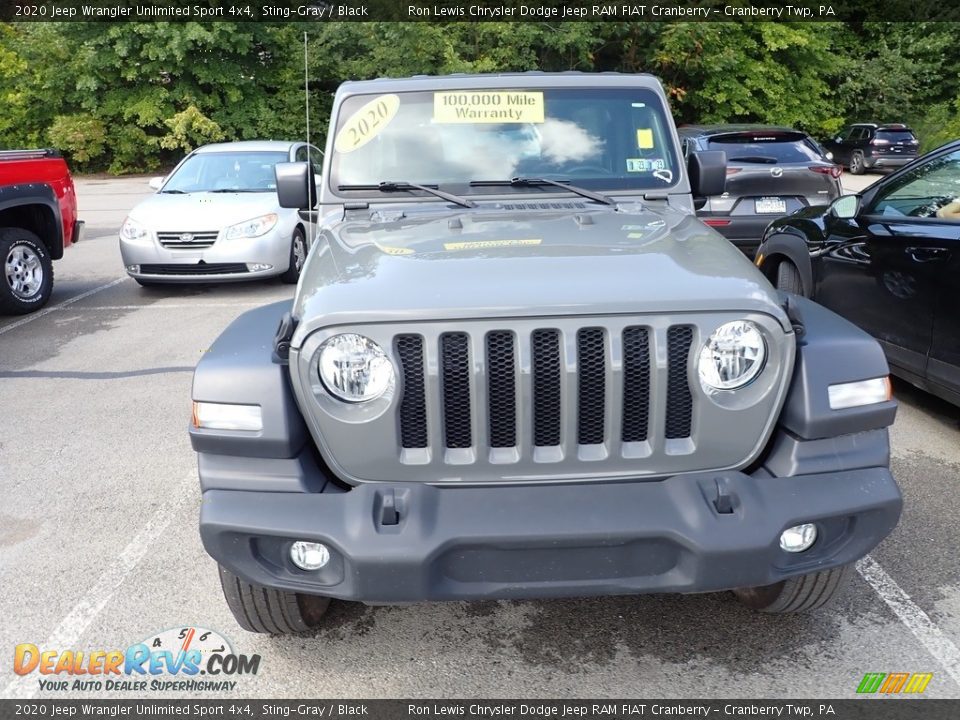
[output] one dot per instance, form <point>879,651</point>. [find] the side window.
<point>301,155</point>
<point>930,190</point>
<point>849,133</point>
<point>316,159</point>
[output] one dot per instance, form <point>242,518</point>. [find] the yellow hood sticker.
<point>480,244</point>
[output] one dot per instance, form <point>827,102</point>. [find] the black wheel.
<point>856,163</point>
<point>263,610</point>
<point>796,594</point>
<point>298,256</point>
<point>788,278</point>
<point>26,272</point>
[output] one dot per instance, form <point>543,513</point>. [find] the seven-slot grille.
<point>187,240</point>
<point>554,385</point>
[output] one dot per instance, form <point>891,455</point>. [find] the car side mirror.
<point>846,207</point>
<point>156,183</point>
<point>708,172</point>
<point>296,185</point>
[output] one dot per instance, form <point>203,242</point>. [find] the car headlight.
<point>252,228</point>
<point>733,356</point>
<point>354,368</point>
<point>132,230</point>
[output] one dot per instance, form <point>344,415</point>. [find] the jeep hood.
<point>400,265</point>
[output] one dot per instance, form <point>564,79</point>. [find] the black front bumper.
<point>550,540</point>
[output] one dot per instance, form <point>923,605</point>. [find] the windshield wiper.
<point>534,182</point>
<point>236,190</point>
<point>174,192</point>
<point>400,185</point>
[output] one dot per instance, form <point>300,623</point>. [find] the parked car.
<point>889,260</point>
<point>496,385</point>
<point>38,221</point>
<point>868,146</point>
<point>771,172</point>
<point>216,218</point>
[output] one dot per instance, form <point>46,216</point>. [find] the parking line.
<point>47,311</point>
<point>96,598</point>
<point>916,620</point>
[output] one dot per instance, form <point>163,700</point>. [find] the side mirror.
<point>708,172</point>
<point>157,182</point>
<point>296,185</point>
<point>846,207</point>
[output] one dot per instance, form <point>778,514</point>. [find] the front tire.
<point>796,594</point>
<point>298,256</point>
<point>26,272</point>
<point>265,610</point>
<point>788,278</point>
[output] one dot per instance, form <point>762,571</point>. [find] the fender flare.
<point>782,246</point>
<point>14,196</point>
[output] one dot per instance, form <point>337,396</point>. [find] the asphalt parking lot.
<point>99,546</point>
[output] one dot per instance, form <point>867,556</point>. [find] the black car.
<point>868,146</point>
<point>771,172</point>
<point>888,260</point>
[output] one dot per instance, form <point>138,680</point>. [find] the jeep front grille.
<point>545,399</point>
<point>593,366</point>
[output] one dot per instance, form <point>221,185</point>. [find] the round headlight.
<point>733,356</point>
<point>354,368</point>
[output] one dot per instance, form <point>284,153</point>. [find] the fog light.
<point>798,538</point>
<point>135,269</point>
<point>258,267</point>
<point>309,555</point>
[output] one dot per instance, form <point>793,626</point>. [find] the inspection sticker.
<point>645,138</point>
<point>488,107</point>
<point>366,123</point>
<point>481,244</point>
<point>645,165</point>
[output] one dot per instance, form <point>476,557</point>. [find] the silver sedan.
<point>216,218</point>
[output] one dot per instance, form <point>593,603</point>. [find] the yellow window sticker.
<point>468,106</point>
<point>391,250</point>
<point>645,138</point>
<point>482,244</point>
<point>366,123</point>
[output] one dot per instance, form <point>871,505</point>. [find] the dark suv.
<point>771,172</point>
<point>868,146</point>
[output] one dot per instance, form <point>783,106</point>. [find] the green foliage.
<point>135,96</point>
<point>190,129</point>
<point>82,136</point>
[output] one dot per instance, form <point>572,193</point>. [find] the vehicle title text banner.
<point>315,11</point>
<point>860,709</point>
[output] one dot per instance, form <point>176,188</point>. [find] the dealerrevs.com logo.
<point>188,659</point>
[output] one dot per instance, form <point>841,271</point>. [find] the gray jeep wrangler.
<point>518,366</point>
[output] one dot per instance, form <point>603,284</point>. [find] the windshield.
<point>226,172</point>
<point>603,139</point>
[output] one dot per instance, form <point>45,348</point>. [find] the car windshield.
<point>771,149</point>
<point>616,139</point>
<point>226,172</point>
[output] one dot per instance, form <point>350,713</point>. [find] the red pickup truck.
<point>38,220</point>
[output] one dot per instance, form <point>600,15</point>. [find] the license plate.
<point>771,205</point>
